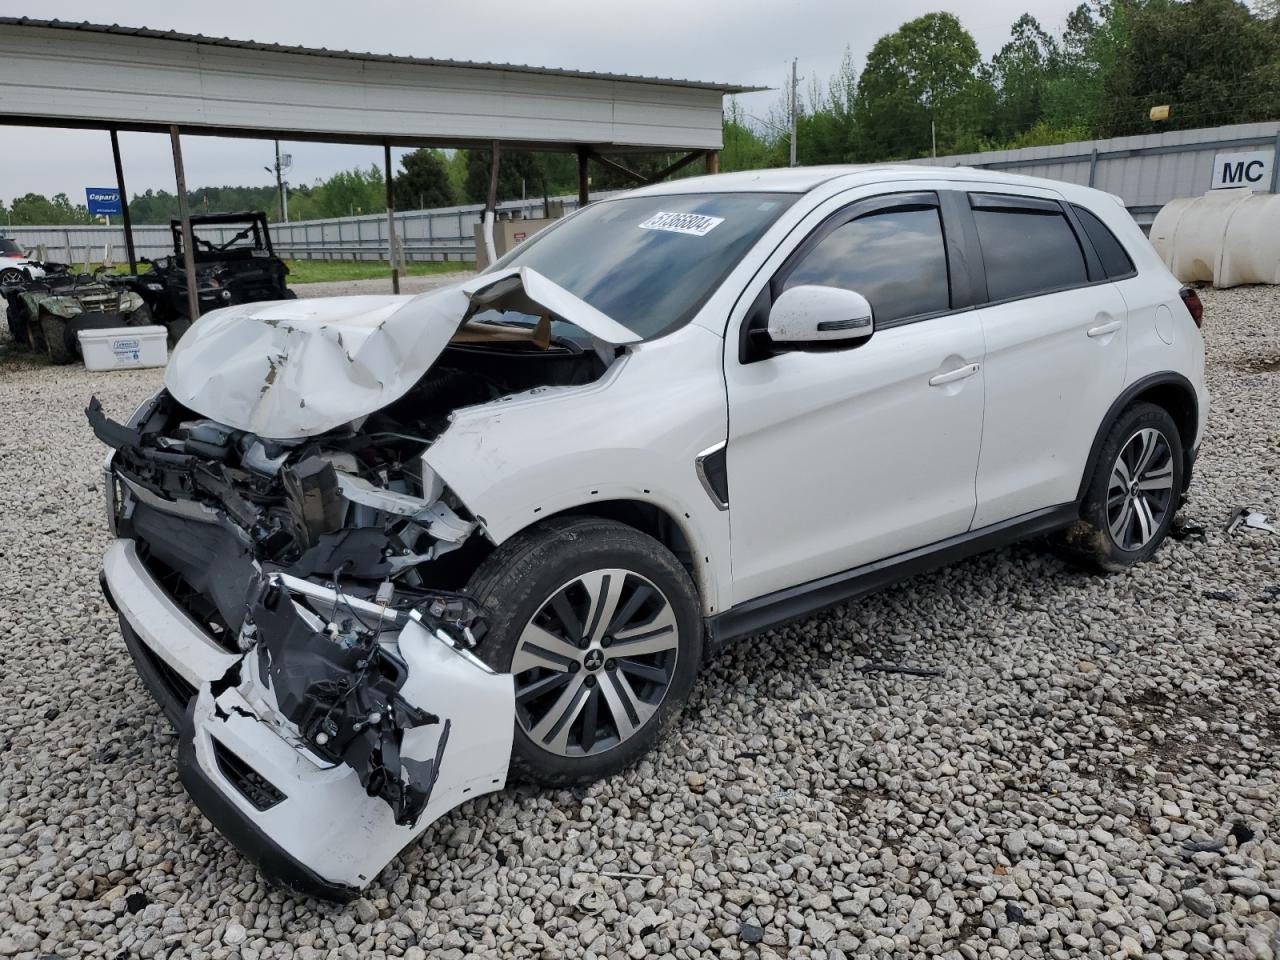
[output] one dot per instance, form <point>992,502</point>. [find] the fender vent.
<point>252,785</point>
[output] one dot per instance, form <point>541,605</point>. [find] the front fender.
<point>632,435</point>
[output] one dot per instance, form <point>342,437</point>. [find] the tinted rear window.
<point>1028,251</point>
<point>1115,260</point>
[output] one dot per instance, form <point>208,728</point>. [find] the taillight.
<point>1191,300</point>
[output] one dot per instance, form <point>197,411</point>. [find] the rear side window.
<point>1115,260</point>
<point>1027,250</point>
<point>895,258</point>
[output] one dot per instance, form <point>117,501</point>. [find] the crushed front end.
<point>289,605</point>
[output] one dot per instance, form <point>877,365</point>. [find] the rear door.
<point>1055,333</point>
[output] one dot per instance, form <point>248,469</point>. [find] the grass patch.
<point>321,271</point>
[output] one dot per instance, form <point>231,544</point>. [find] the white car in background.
<point>374,555</point>
<point>15,267</point>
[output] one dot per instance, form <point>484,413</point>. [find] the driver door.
<point>844,455</point>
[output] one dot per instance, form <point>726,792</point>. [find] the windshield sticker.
<point>693,224</point>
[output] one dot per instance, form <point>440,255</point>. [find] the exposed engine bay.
<point>306,560</point>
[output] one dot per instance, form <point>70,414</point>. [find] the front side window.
<point>895,258</point>
<point>1028,250</point>
<point>650,262</point>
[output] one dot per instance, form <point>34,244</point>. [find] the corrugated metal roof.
<point>117,30</point>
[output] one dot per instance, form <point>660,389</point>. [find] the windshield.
<point>650,262</point>
<point>9,248</point>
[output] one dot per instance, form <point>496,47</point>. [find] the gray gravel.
<point>1094,773</point>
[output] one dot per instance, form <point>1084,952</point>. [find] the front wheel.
<point>13,275</point>
<point>600,626</point>
<point>1133,494</point>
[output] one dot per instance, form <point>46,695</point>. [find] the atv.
<point>48,314</point>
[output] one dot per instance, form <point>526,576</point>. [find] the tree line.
<point>924,87</point>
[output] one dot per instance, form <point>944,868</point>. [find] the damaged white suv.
<point>375,555</point>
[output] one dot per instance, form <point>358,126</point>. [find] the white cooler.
<point>118,348</point>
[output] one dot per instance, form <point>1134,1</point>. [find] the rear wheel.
<point>55,337</point>
<point>601,629</point>
<point>1134,491</point>
<point>13,275</point>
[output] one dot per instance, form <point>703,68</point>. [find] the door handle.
<point>1103,329</point>
<point>951,376</point>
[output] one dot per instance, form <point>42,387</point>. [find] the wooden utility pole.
<point>713,161</point>
<point>391,220</point>
<point>795,83</point>
<point>124,201</point>
<point>584,179</point>
<point>188,238</point>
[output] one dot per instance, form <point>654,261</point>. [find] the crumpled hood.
<point>297,368</point>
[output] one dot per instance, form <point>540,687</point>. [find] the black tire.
<point>1121,525</point>
<point>55,338</point>
<point>140,317</point>
<point>13,275</point>
<point>17,326</point>
<point>534,575</point>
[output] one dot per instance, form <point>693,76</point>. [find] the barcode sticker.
<point>692,224</point>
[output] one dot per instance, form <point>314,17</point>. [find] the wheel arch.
<point>1168,390</point>
<point>656,521</point>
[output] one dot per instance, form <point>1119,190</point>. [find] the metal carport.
<point>94,76</point>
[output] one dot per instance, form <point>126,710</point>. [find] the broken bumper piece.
<point>319,825</point>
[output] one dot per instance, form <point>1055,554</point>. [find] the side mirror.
<point>812,314</point>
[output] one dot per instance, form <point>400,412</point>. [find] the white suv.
<point>15,266</point>
<point>376,554</point>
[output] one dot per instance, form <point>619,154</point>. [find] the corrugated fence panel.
<point>447,233</point>
<point>1145,171</point>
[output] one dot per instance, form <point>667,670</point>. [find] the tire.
<point>55,338</point>
<point>140,317</point>
<point>13,275</point>
<point>582,711</point>
<point>1133,494</point>
<point>17,326</point>
<point>35,336</point>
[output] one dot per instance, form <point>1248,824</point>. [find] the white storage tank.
<point>1226,237</point>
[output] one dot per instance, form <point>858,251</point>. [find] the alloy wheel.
<point>593,664</point>
<point>12,276</point>
<point>1140,492</point>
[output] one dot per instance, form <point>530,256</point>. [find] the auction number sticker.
<point>692,224</point>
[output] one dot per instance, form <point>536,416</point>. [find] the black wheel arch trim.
<point>1123,402</point>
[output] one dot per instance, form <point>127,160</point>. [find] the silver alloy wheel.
<point>12,275</point>
<point>1140,492</point>
<point>594,663</point>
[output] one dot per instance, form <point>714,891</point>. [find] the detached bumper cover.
<point>308,823</point>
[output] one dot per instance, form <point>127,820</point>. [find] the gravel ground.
<point>1094,772</point>
<point>342,288</point>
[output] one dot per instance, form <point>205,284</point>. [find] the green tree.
<point>1019,73</point>
<point>924,74</point>
<point>34,209</point>
<point>1212,61</point>
<point>424,181</point>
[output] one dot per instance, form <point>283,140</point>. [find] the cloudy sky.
<point>741,41</point>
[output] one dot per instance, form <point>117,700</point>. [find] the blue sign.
<point>103,201</point>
